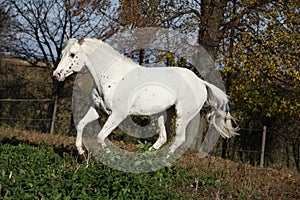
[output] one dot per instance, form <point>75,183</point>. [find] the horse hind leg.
<point>180,128</point>
<point>90,116</point>
<point>180,135</point>
<point>162,138</point>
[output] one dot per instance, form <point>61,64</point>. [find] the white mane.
<point>95,43</point>
<point>99,45</point>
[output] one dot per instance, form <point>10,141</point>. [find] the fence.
<point>41,115</point>
<point>48,120</point>
<point>258,149</point>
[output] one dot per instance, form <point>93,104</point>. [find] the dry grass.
<point>21,62</point>
<point>242,181</point>
<point>37,138</point>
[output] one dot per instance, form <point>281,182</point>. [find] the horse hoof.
<point>170,155</point>
<point>151,149</point>
<point>81,151</point>
<point>105,148</point>
<point>81,158</point>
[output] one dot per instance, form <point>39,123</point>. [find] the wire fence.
<point>37,115</point>
<point>254,145</point>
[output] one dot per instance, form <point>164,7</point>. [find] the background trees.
<point>256,44</point>
<point>6,25</point>
<point>43,25</point>
<point>261,59</point>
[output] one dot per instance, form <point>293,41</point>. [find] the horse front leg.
<point>111,123</point>
<point>98,101</point>
<point>162,138</point>
<point>90,116</point>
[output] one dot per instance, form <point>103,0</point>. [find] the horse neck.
<point>101,56</point>
<point>103,59</point>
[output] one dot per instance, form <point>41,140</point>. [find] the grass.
<point>47,172</point>
<point>35,166</point>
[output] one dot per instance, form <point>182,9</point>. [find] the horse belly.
<point>151,99</point>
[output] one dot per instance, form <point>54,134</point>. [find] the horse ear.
<point>67,36</point>
<point>81,41</point>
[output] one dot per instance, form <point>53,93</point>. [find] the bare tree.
<point>6,23</point>
<point>43,25</point>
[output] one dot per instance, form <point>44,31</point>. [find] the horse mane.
<point>67,43</point>
<point>97,43</point>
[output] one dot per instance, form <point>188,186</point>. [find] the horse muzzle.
<point>59,75</point>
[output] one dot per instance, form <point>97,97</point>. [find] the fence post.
<point>263,143</point>
<point>54,115</point>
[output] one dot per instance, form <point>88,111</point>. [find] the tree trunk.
<point>210,33</point>
<point>210,28</point>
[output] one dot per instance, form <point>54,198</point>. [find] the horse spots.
<point>109,86</point>
<point>70,67</point>
<point>104,77</point>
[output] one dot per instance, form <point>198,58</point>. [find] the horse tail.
<point>220,116</point>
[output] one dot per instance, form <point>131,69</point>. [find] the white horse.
<point>125,88</point>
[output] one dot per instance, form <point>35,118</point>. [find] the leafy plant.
<point>143,146</point>
<point>47,172</point>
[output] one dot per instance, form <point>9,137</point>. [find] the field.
<point>39,166</point>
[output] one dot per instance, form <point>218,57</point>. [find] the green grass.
<point>35,170</point>
<point>48,172</point>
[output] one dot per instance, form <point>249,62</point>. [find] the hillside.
<point>208,178</point>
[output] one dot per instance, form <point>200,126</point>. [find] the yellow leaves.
<point>264,63</point>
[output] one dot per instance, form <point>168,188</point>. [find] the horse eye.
<point>72,55</point>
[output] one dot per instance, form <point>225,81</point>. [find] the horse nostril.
<point>57,75</point>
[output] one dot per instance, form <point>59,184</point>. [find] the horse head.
<point>73,59</point>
